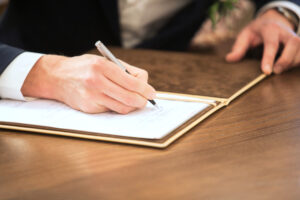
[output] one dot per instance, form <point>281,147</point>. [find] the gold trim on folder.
<point>245,88</point>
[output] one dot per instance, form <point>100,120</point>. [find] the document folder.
<point>183,77</point>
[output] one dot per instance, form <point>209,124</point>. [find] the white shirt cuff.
<point>13,77</point>
<point>284,4</point>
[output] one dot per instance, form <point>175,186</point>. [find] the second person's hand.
<point>270,29</point>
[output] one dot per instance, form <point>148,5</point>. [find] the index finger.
<point>135,71</point>
<point>271,45</point>
<point>241,45</point>
<point>127,81</point>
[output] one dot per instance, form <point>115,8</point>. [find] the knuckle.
<point>93,61</point>
<point>93,79</point>
<point>89,78</point>
<point>87,56</point>
<point>96,63</point>
<point>144,73</point>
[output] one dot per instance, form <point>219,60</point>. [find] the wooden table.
<point>248,150</point>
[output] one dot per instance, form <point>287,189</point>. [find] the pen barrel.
<point>107,54</point>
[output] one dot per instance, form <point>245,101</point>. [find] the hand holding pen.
<point>107,54</point>
<point>88,83</point>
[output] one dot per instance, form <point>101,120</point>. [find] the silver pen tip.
<point>157,107</point>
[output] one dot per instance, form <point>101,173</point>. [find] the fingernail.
<point>268,69</point>
<point>230,57</point>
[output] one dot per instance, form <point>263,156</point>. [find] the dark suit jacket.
<point>70,27</point>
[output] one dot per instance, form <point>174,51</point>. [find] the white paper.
<point>148,123</point>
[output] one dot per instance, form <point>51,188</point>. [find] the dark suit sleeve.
<point>7,55</point>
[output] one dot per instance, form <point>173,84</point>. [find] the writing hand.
<point>88,83</point>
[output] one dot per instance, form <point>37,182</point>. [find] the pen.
<point>107,54</point>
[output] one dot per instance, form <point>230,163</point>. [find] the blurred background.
<point>3,4</point>
<point>207,37</point>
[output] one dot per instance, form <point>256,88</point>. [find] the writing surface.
<point>148,123</point>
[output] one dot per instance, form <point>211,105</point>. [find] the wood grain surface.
<point>248,150</point>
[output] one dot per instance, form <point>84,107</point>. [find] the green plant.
<point>220,8</point>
